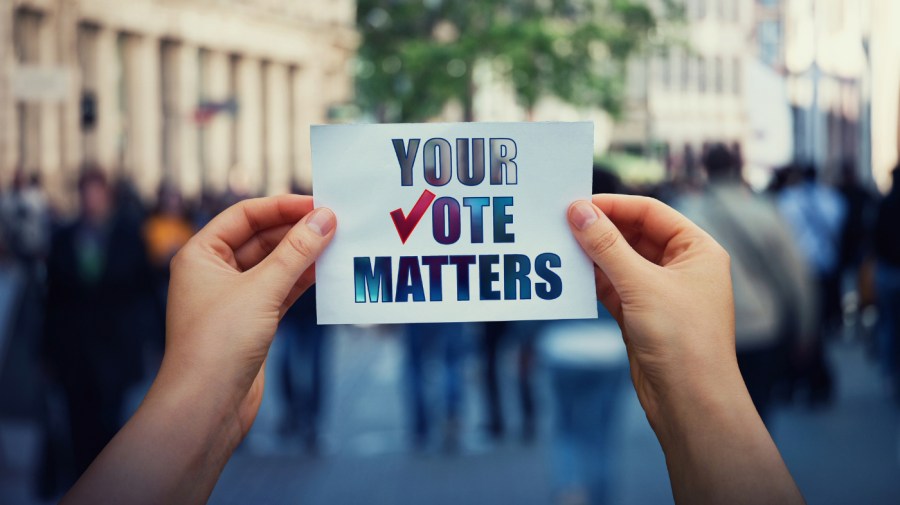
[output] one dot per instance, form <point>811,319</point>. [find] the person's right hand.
<point>668,284</point>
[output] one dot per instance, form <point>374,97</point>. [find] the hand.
<point>668,284</point>
<point>230,286</point>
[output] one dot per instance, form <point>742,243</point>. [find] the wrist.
<point>207,409</point>
<point>703,397</point>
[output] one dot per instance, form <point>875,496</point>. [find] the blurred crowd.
<point>82,317</point>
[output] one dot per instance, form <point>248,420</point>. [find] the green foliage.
<point>418,55</point>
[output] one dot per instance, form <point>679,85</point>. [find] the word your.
<point>471,165</point>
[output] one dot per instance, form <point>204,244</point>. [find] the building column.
<point>180,95</point>
<point>215,86</point>
<point>108,74</point>
<point>277,118</point>
<point>186,148</point>
<point>49,154</point>
<point>28,113</point>
<point>308,110</point>
<point>8,130</point>
<point>144,122</point>
<point>250,128</point>
<point>72,155</point>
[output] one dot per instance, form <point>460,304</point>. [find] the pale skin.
<point>666,282</point>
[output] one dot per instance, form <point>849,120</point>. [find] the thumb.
<point>603,242</point>
<point>297,251</point>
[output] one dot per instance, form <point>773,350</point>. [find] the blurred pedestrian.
<point>99,285</point>
<point>887,281</point>
<point>25,225</point>
<point>521,336</point>
<point>25,213</point>
<point>210,204</point>
<point>774,294</point>
<point>304,371</point>
<point>446,344</point>
<point>25,217</point>
<point>127,202</point>
<point>855,263</point>
<point>816,213</point>
<point>167,229</point>
<point>588,366</point>
<point>861,208</point>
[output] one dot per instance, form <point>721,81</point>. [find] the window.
<point>701,74</point>
<point>737,76</point>
<point>719,75</point>
<point>665,62</point>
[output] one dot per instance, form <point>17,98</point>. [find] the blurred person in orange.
<point>165,231</point>
<point>168,228</point>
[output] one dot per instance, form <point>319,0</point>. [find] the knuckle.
<point>602,242</point>
<point>721,256</point>
<point>178,260</point>
<point>300,246</point>
<point>722,253</point>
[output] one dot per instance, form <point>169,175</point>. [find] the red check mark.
<point>406,224</point>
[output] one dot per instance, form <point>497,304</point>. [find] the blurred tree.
<point>418,55</point>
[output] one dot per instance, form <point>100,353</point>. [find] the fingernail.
<point>582,214</point>
<point>321,221</point>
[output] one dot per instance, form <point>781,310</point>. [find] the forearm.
<point>718,449</point>
<point>171,451</point>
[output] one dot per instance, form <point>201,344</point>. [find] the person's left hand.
<point>230,285</point>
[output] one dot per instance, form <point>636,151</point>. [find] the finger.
<point>240,222</point>
<point>607,295</point>
<point>603,242</point>
<point>656,231</point>
<point>259,246</point>
<point>642,245</point>
<point>657,222</point>
<point>306,280</point>
<point>297,251</point>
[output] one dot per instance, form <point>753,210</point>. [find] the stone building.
<point>202,93</point>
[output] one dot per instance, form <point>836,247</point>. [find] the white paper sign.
<point>452,222</point>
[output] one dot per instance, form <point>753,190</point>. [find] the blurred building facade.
<point>202,93</point>
<point>882,90</point>
<point>826,68</point>
<point>811,81</point>
<point>692,94</point>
